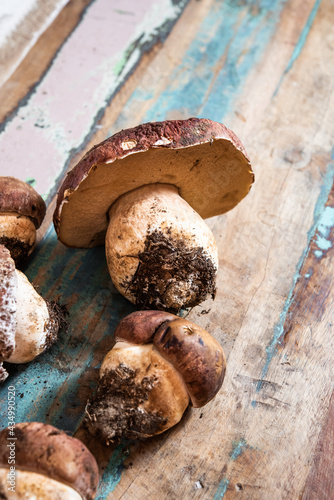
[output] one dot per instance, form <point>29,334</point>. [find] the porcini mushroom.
<point>29,324</point>
<point>144,191</point>
<point>160,364</point>
<point>48,464</point>
<point>22,211</point>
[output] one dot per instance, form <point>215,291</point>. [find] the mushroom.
<point>29,324</point>
<point>145,192</point>
<point>37,461</point>
<point>22,211</point>
<point>160,364</point>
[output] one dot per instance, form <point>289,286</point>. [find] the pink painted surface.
<point>37,141</point>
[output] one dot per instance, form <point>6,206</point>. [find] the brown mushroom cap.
<point>203,159</point>
<point>139,327</point>
<point>8,289</point>
<point>18,196</point>
<point>195,354</point>
<point>44,449</point>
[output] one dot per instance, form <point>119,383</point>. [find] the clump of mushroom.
<point>48,464</point>
<point>29,324</point>
<point>144,192</point>
<point>160,365</point>
<point>22,211</point>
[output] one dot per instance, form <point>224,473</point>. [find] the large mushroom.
<point>160,365</point>
<point>145,192</point>
<point>22,211</point>
<point>29,324</point>
<point>48,464</point>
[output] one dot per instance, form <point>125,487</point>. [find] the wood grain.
<point>320,481</point>
<point>262,68</point>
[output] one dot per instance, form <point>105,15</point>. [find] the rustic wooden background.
<point>74,72</point>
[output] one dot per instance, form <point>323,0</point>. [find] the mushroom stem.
<point>36,328</point>
<point>159,365</point>
<point>18,234</point>
<point>140,394</point>
<point>160,252</point>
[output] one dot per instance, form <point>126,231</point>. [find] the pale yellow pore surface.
<point>140,212</point>
<point>32,316</point>
<point>26,485</point>
<point>168,397</point>
<point>211,177</point>
<point>18,227</point>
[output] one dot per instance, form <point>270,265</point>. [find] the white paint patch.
<point>13,15</point>
<point>86,72</point>
<point>326,223</point>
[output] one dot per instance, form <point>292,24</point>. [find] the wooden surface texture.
<point>266,70</point>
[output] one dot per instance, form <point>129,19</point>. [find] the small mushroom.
<point>160,364</point>
<point>47,464</point>
<point>22,211</point>
<point>145,192</point>
<point>28,323</point>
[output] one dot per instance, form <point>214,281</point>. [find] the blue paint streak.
<point>238,448</point>
<point>214,70</point>
<point>319,218</point>
<point>221,490</point>
<point>81,279</point>
<point>113,472</point>
<point>301,42</point>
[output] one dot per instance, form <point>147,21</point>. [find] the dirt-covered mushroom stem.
<point>29,324</point>
<point>160,364</point>
<point>49,464</point>
<point>162,179</point>
<point>22,211</point>
<point>160,252</point>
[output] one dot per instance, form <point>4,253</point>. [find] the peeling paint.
<point>113,472</point>
<point>61,113</point>
<point>323,221</point>
<point>300,44</point>
<point>209,74</point>
<point>238,448</point>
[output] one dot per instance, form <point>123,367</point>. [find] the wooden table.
<point>74,72</point>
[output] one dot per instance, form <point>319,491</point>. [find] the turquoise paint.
<point>230,41</point>
<point>81,279</point>
<point>322,216</point>
<point>238,448</point>
<point>31,181</point>
<point>221,489</point>
<point>113,472</point>
<point>301,42</point>
<point>326,223</point>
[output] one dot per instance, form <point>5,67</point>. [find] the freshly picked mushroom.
<point>145,192</point>
<point>29,324</point>
<point>22,211</point>
<point>160,364</point>
<point>48,465</point>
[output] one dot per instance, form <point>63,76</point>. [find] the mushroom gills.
<point>140,394</point>
<point>26,485</point>
<point>160,252</point>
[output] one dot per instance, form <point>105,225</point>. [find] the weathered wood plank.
<point>65,107</point>
<point>320,482</point>
<point>21,25</point>
<point>263,68</point>
<point>23,80</point>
